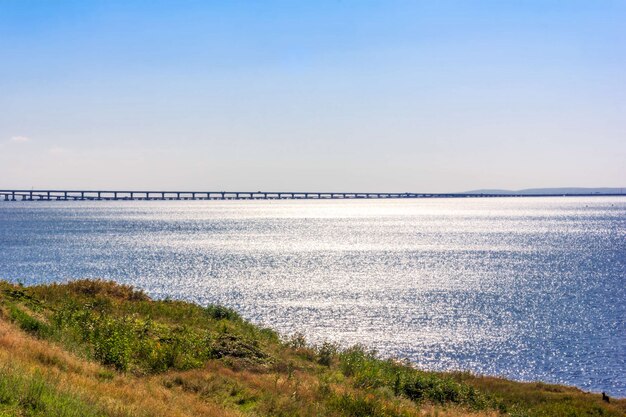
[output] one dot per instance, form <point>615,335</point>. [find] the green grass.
<point>368,371</point>
<point>214,355</point>
<point>125,330</point>
<point>29,323</point>
<point>34,396</point>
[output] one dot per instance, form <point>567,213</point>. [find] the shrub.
<point>326,353</point>
<point>368,371</point>
<point>296,341</point>
<point>112,343</point>
<point>219,312</point>
<point>228,344</point>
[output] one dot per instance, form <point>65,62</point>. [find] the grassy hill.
<point>92,348</point>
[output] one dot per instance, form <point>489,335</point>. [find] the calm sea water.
<point>527,288</point>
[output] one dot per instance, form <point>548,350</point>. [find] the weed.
<point>218,312</point>
<point>37,397</point>
<point>28,323</point>
<point>326,353</point>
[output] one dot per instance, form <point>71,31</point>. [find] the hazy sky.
<point>312,95</point>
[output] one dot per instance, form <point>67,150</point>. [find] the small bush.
<point>326,353</point>
<point>296,341</point>
<point>356,359</point>
<point>218,312</point>
<point>227,344</point>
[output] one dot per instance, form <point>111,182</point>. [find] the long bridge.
<point>100,195</point>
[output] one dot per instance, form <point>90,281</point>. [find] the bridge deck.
<point>99,195</point>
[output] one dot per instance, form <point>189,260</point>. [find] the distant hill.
<point>547,191</point>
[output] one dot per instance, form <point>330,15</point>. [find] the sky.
<point>378,96</point>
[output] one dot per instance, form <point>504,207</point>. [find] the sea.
<point>528,288</point>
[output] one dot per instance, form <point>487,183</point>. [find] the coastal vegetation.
<point>96,348</point>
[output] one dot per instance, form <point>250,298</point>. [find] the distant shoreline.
<point>566,191</point>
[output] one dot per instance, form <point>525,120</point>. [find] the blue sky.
<point>325,95</point>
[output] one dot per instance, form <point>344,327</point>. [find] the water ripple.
<point>529,288</point>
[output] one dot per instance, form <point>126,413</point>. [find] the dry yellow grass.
<point>127,395</point>
<point>118,394</point>
<point>289,381</point>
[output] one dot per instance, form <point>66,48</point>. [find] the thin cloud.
<point>20,139</point>
<point>58,151</point>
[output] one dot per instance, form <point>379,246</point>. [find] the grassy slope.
<point>100,349</point>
